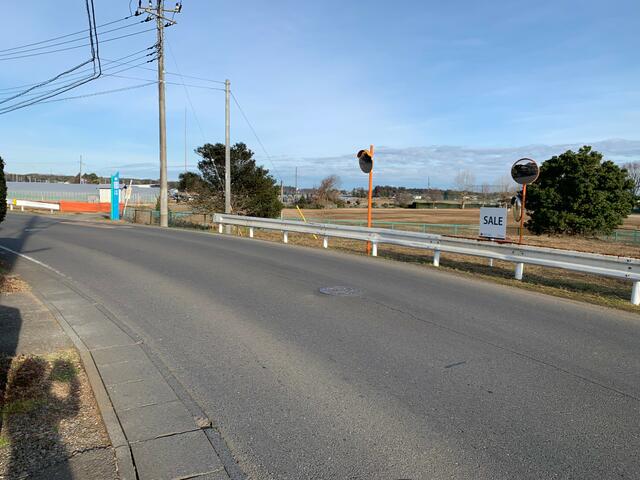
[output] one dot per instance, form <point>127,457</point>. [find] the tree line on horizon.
<point>576,192</point>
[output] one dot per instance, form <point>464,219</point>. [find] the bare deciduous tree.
<point>328,191</point>
<point>464,180</point>
<point>505,184</point>
<point>633,170</point>
<point>404,199</point>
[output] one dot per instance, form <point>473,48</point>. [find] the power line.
<point>102,76</point>
<point>177,74</point>
<point>95,60</point>
<point>68,41</point>
<point>104,92</point>
<point>65,36</point>
<point>255,135</point>
<point>166,83</point>
<point>20,87</point>
<point>82,73</point>
<point>76,46</point>
<point>193,110</point>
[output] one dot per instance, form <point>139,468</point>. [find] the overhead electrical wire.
<point>104,92</point>
<point>176,74</point>
<point>20,87</point>
<point>76,46</point>
<point>167,83</point>
<point>94,60</point>
<point>65,36</point>
<point>94,56</point>
<point>103,75</point>
<point>68,41</point>
<point>255,134</point>
<point>193,110</point>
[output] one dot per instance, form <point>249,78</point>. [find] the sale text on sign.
<point>493,222</point>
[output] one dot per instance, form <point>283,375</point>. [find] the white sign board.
<point>493,222</point>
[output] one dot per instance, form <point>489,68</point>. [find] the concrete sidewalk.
<point>79,449</point>
<point>157,431</point>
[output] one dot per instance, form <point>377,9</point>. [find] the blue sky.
<point>436,86</point>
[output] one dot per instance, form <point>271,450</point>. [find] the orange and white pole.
<point>370,197</point>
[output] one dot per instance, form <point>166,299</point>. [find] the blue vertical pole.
<point>115,196</point>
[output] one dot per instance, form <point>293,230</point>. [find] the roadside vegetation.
<point>577,193</point>
<point>48,413</point>
<point>578,198</point>
<point>254,191</point>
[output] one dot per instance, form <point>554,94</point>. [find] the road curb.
<point>124,459</point>
<point>162,442</point>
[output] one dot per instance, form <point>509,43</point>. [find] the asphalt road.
<point>421,375</point>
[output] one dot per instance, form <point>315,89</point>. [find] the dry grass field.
<point>447,215</point>
<point>471,217</point>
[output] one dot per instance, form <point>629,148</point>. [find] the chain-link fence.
<point>137,198</point>
<point>205,221</point>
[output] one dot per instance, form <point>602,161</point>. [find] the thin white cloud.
<point>438,164</point>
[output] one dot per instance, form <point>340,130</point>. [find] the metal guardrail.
<point>12,202</point>
<point>622,235</point>
<point>596,264</point>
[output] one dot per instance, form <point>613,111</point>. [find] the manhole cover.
<point>341,291</point>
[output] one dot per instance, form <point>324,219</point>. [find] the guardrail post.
<point>491,262</point>
<point>285,237</point>
<point>325,242</point>
<point>250,232</point>
<point>374,249</point>
<point>436,258</point>
<point>219,228</point>
<point>22,208</point>
<point>11,207</point>
<point>635,293</point>
<point>519,270</point>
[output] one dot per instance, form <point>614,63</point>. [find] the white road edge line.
<point>31,259</point>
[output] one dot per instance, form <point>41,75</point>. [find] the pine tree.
<point>579,193</point>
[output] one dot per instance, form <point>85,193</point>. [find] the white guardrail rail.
<point>29,204</point>
<point>605,265</point>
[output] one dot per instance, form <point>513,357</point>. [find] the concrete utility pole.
<point>80,174</point>
<point>164,207</point>
<point>281,198</point>
<point>185,139</point>
<point>161,22</point>
<point>227,149</point>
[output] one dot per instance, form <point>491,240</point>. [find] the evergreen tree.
<point>253,191</point>
<point>579,193</point>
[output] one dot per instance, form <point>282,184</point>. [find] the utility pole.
<point>161,22</point>
<point>80,174</point>
<point>227,149</point>
<point>296,182</point>
<point>185,140</point>
<point>164,207</point>
<point>281,198</point>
